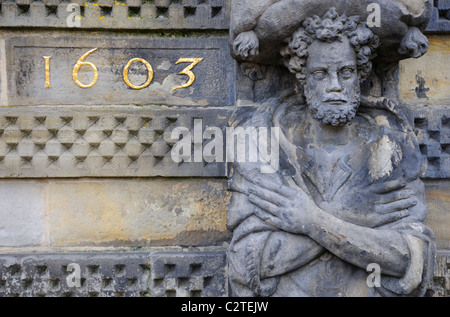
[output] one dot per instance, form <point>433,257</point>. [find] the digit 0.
<point>149,69</point>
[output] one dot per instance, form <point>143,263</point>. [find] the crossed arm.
<point>307,230</point>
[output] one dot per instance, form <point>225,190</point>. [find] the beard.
<point>334,115</point>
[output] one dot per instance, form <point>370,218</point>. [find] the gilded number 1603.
<point>187,71</point>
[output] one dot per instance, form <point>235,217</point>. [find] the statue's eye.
<point>347,72</point>
<point>319,74</point>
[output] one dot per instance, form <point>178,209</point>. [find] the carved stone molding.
<point>179,274</point>
<point>99,142</point>
<point>441,280</point>
<point>137,274</point>
<point>440,21</point>
<point>432,127</point>
<point>135,141</point>
<point>122,14</point>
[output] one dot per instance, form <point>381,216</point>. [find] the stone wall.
<point>423,86</point>
<point>86,174</point>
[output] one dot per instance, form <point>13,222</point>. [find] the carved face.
<point>332,87</point>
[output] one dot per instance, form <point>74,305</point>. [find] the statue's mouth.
<point>336,102</point>
<point>335,99</point>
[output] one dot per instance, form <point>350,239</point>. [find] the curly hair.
<point>331,27</point>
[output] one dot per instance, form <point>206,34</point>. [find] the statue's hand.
<point>281,206</point>
<point>414,44</point>
<point>246,44</point>
<point>387,202</point>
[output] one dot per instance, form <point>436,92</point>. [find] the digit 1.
<point>47,71</point>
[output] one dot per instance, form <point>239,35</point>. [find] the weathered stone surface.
<point>24,220</point>
<point>438,200</point>
<point>425,81</point>
<point>182,274</point>
<point>108,14</point>
<point>146,212</point>
<point>102,141</point>
<point>22,212</point>
<point>441,280</point>
<point>440,22</point>
<point>195,274</point>
<point>432,127</point>
<point>213,84</point>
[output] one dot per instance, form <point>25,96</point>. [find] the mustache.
<point>334,97</point>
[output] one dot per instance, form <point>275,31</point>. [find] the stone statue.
<point>347,196</point>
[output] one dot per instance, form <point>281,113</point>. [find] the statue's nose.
<point>334,84</point>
